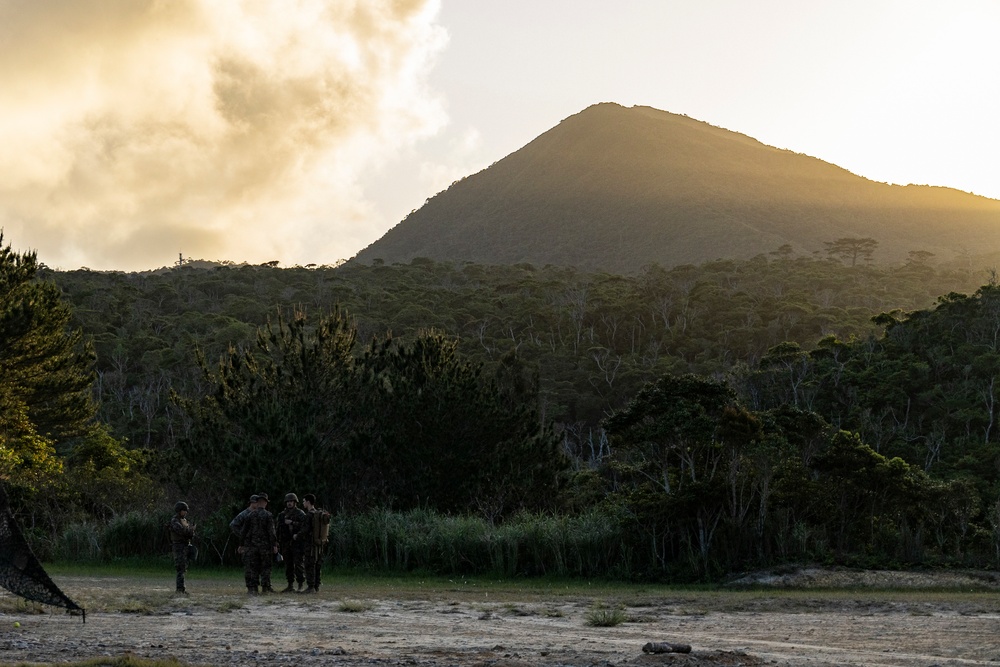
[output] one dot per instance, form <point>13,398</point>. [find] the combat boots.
<point>251,590</point>
<point>309,590</point>
<point>289,588</point>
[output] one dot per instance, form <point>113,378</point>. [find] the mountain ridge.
<point>615,188</point>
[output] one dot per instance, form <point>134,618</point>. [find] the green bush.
<point>136,535</point>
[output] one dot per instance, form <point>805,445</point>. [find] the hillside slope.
<point>614,188</point>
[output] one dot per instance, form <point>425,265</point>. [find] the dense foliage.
<point>400,425</point>
<point>710,418</point>
<point>594,338</point>
<point>55,457</point>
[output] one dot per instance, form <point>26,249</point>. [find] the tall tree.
<point>277,413</point>
<point>54,454</point>
<point>401,424</point>
<point>45,369</point>
<point>850,248</point>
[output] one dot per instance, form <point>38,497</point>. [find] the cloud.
<point>137,129</point>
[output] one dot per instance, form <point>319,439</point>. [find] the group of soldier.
<point>296,537</point>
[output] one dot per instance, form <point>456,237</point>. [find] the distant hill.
<point>615,189</point>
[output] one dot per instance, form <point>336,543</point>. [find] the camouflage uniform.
<point>313,547</point>
<point>236,525</point>
<point>292,549</point>
<point>259,543</point>
<point>181,533</point>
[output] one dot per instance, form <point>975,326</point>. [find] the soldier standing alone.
<point>290,522</point>
<point>181,533</point>
<point>260,543</point>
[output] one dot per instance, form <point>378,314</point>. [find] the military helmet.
<point>262,496</point>
<point>181,506</point>
<point>291,497</point>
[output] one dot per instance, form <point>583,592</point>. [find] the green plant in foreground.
<point>605,617</point>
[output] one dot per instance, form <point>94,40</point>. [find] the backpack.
<point>321,526</point>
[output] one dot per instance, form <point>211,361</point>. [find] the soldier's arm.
<point>186,532</point>
<point>236,525</point>
<point>304,527</point>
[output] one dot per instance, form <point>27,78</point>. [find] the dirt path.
<point>218,625</point>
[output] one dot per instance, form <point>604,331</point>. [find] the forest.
<point>674,425</point>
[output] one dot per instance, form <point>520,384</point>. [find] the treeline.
<point>676,424</point>
<point>595,339</point>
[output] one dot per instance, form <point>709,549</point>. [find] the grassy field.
<point>147,588</point>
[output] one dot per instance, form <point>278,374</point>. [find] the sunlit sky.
<point>133,131</point>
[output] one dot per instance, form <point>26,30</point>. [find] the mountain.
<point>615,189</point>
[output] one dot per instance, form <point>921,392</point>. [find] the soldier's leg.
<point>248,572</point>
<point>299,558</point>
<point>252,571</point>
<point>310,569</point>
<point>180,564</point>
<point>319,566</point>
<point>288,552</point>
<point>266,557</point>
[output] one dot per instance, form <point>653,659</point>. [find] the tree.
<point>277,414</point>
<point>44,366</point>
<point>672,442</point>
<point>849,248</point>
<point>45,376</point>
<point>400,425</point>
<point>54,454</point>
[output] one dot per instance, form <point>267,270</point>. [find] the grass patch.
<point>601,616</point>
<point>228,606</point>
<point>355,606</point>
<point>517,610</point>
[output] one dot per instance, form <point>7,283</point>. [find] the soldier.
<point>236,525</point>
<point>181,533</point>
<point>290,522</point>
<point>314,536</point>
<point>260,543</point>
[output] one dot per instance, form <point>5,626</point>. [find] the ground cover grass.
<point>145,588</point>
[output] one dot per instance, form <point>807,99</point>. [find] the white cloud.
<point>133,130</point>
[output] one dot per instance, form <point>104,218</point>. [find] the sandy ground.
<point>840,618</point>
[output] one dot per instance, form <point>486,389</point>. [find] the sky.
<point>134,132</point>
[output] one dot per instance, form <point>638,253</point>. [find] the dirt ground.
<point>808,617</point>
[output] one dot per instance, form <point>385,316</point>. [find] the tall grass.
<point>584,545</point>
<point>132,536</point>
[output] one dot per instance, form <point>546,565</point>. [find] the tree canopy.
<point>401,425</point>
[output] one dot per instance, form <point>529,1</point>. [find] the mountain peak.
<point>616,188</point>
